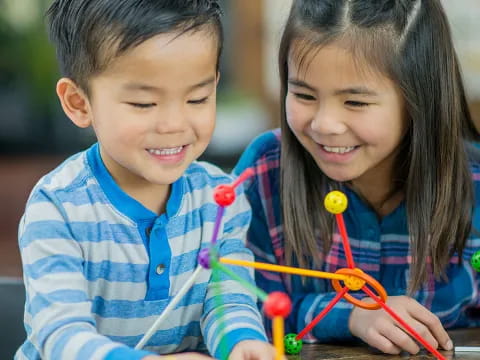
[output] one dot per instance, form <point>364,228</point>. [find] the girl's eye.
<point>142,106</point>
<point>356,103</point>
<point>199,101</point>
<point>304,96</point>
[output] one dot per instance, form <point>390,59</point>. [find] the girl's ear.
<point>74,102</point>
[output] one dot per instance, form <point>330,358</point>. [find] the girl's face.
<point>348,116</point>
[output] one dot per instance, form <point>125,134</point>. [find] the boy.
<point>111,235</point>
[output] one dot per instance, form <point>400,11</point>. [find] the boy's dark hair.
<point>88,34</point>
<point>408,41</point>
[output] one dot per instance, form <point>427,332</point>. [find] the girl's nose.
<point>327,121</point>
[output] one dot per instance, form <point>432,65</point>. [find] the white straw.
<point>467,348</point>
<point>169,308</point>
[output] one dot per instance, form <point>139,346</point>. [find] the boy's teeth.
<point>338,150</point>
<point>171,151</point>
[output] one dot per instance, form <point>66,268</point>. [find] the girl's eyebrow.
<point>301,83</point>
<point>355,90</point>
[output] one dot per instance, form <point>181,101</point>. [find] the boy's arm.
<point>230,311</point>
<point>58,316</point>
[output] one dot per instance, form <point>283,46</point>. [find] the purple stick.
<point>218,221</point>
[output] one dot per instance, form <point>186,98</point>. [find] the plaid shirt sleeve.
<point>265,239</point>
<point>381,249</point>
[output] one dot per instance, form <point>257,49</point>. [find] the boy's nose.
<point>171,120</point>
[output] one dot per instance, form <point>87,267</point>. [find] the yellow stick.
<point>278,334</point>
<point>283,269</point>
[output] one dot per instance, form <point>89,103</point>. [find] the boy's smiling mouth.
<point>166,151</point>
<point>171,155</point>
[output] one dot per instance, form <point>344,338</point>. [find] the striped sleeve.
<point>230,312</point>
<point>58,316</point>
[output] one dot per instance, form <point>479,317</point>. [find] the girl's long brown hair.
<point>410,42</point>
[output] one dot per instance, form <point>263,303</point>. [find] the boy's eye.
<point>356,103</point>
<point>142,106</point>
<point>199,101</point>
<point>304,96</point>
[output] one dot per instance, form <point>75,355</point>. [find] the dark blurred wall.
<point>31,119</point>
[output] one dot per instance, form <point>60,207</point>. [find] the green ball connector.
<point>292,345</point>
<point>475,261</point>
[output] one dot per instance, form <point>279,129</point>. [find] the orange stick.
<point>283,269</point>
<point>278,334</point>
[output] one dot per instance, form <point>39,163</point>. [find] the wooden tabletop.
<point>463,337</point>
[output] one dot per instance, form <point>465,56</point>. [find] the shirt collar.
<point>124,202</point>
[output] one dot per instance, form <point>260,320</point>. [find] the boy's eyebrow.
<point>134,86</point>
<point>356,90</point>
<point>203,83</point>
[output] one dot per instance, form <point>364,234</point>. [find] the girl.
<point>373,104</point>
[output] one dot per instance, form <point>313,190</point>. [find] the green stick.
<point>221,312</point>
<point>262,295</point>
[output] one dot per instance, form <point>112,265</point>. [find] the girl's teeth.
<point>338,150</point>
<point>171,151</point>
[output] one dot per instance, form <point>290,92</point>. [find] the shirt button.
<point>148,230</point>
<point>160,269</point>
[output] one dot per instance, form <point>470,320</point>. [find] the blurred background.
<point>35,135</point>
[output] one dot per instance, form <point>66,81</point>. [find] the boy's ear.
<point>74,102</point>
<point>218,77</point>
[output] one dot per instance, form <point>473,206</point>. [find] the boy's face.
<point>153,109</point>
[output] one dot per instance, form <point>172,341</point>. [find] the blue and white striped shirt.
<point>99,267</point>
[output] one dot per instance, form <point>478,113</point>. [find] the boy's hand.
<point>253,350</point>
<point>379,330</point>
<point>184,356</point>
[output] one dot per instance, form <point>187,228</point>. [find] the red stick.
<point>407,327</point>
<point>320,316</point>
<point>243,176</point>
<point>346,243</point>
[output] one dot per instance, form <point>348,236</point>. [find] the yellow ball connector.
<point>336,202</point>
